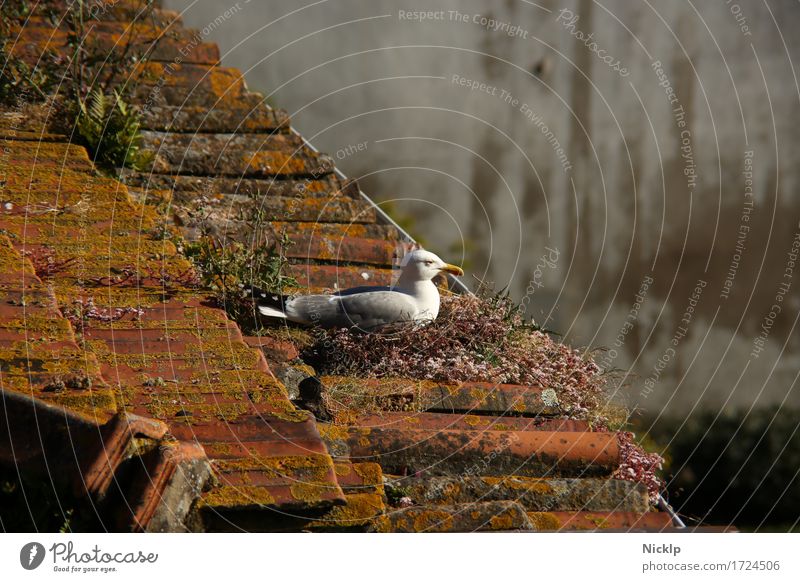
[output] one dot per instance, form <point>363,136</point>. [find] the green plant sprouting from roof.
<point>109,127</point>
<point>88,82</point>
<point>230,268</point>
<point>18,82</point>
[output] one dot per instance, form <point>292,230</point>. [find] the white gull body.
<point>413,298</point>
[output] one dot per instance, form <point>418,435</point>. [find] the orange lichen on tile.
<point>360,509</point>
<point>544,521</point>
<point>239,496</point>
<point>533,484</point>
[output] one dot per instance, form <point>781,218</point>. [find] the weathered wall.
<point>623,204</point>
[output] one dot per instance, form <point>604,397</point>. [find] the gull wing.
<point>366,309</point>
<point>362,289</point>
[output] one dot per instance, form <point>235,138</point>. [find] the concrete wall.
<point>648,192</point>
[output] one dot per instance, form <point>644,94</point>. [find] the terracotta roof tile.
<point>221,117</point>
<point>464,397</point>
<point>359,477</point>
<point>480,516</point>
<point>462,452</point>
<point>469,421</point>
<point>169,43</point>
<point>359,513</point>
<point>586,520</point>
<point>534,494</point>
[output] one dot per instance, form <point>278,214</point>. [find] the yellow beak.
<point>453,270</point>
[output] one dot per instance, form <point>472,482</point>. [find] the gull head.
<point>423,265</point>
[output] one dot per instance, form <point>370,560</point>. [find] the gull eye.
<point>429,263</point>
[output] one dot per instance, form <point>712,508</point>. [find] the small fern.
<point>109,127</point>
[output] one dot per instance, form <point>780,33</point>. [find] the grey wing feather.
<point>366,310</point>
<point>362,289</point>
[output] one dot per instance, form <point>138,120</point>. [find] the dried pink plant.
<point>81,311</point>
<point>638,465</point>
<point>474,339</point>
<point>485,338</point>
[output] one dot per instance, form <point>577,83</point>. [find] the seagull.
<point>413,298</point>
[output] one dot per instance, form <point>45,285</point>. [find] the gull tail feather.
<point>269,304</point>
<point>267,311</point>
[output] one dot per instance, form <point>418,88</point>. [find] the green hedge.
<point>739,468</point>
